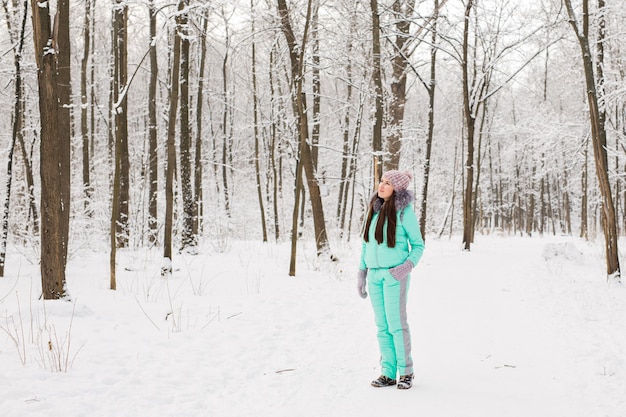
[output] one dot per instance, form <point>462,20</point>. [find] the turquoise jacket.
<point>409,241</point>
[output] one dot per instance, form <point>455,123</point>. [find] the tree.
<point>488,44</point>
<point>598,136</point>
<point>17,126</point>
<point>430,87</point>
<point>347,81</point>
<point>305,159</point>
<point>350,135</point>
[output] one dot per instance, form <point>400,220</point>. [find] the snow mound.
<point>564,251</point>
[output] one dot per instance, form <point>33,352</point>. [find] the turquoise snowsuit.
<point>389,295</point>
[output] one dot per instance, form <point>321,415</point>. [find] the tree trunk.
<point>171,151</point>
<point>402,15</point>
<point>273,144</point>
<point>92,88</point>
<point>120,109</point>
<point>550,206</point>
<point>567,206</point>
<point>19,112</point>
<point>304,150</point>
<point>198,206</point>
<point>481,129</point>
<point>84,122</point>
<point>584,222</point>
<point>377,132</point>
<point>542,199</point>
<point>346,155</point>
<point>450,211</point>
<point>255,111</point>
<point>17,127</point>
<point>530,205</point>
<point>431,119</point>
<point>624,201</point>
<point>188,239</point>
<point>316,84</point>
<point>470,120</point>
<point>28,168</point>
<point>54,235</point>
<point>352,168</point>
<point>119,208</point>
<point>618,190</point>
<point>153,157</point>
<point>225,135</point>
<point>65,118</point>
<point>115,210</point>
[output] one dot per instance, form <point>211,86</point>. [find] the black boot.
<point>406,381</point>
<point>383,381</point>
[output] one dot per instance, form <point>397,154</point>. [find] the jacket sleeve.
<point>362,261</point>
<point>414,235</point>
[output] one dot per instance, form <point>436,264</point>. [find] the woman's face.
<point>385,189</point>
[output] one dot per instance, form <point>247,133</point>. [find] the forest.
<point>158,123</point>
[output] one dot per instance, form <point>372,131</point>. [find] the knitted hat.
<point>399,179</point>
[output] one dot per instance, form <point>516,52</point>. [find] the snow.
<point>516,327</point>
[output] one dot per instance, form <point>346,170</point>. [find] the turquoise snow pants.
<point>388,297</point>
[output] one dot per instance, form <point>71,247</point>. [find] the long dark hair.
<point>387,214</point>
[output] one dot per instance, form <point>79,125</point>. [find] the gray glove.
<point>361,283</point>
<point>400,272</point>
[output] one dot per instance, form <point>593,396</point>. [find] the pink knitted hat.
<point>399,179</point>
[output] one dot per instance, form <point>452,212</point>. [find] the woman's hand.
<point>361,283</point>
<point>400,272</point>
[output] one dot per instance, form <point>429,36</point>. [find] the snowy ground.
<point>516,327</point>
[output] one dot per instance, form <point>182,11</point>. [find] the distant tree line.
<point>162,124</point>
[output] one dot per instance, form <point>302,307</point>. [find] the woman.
<point>392,246</point>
